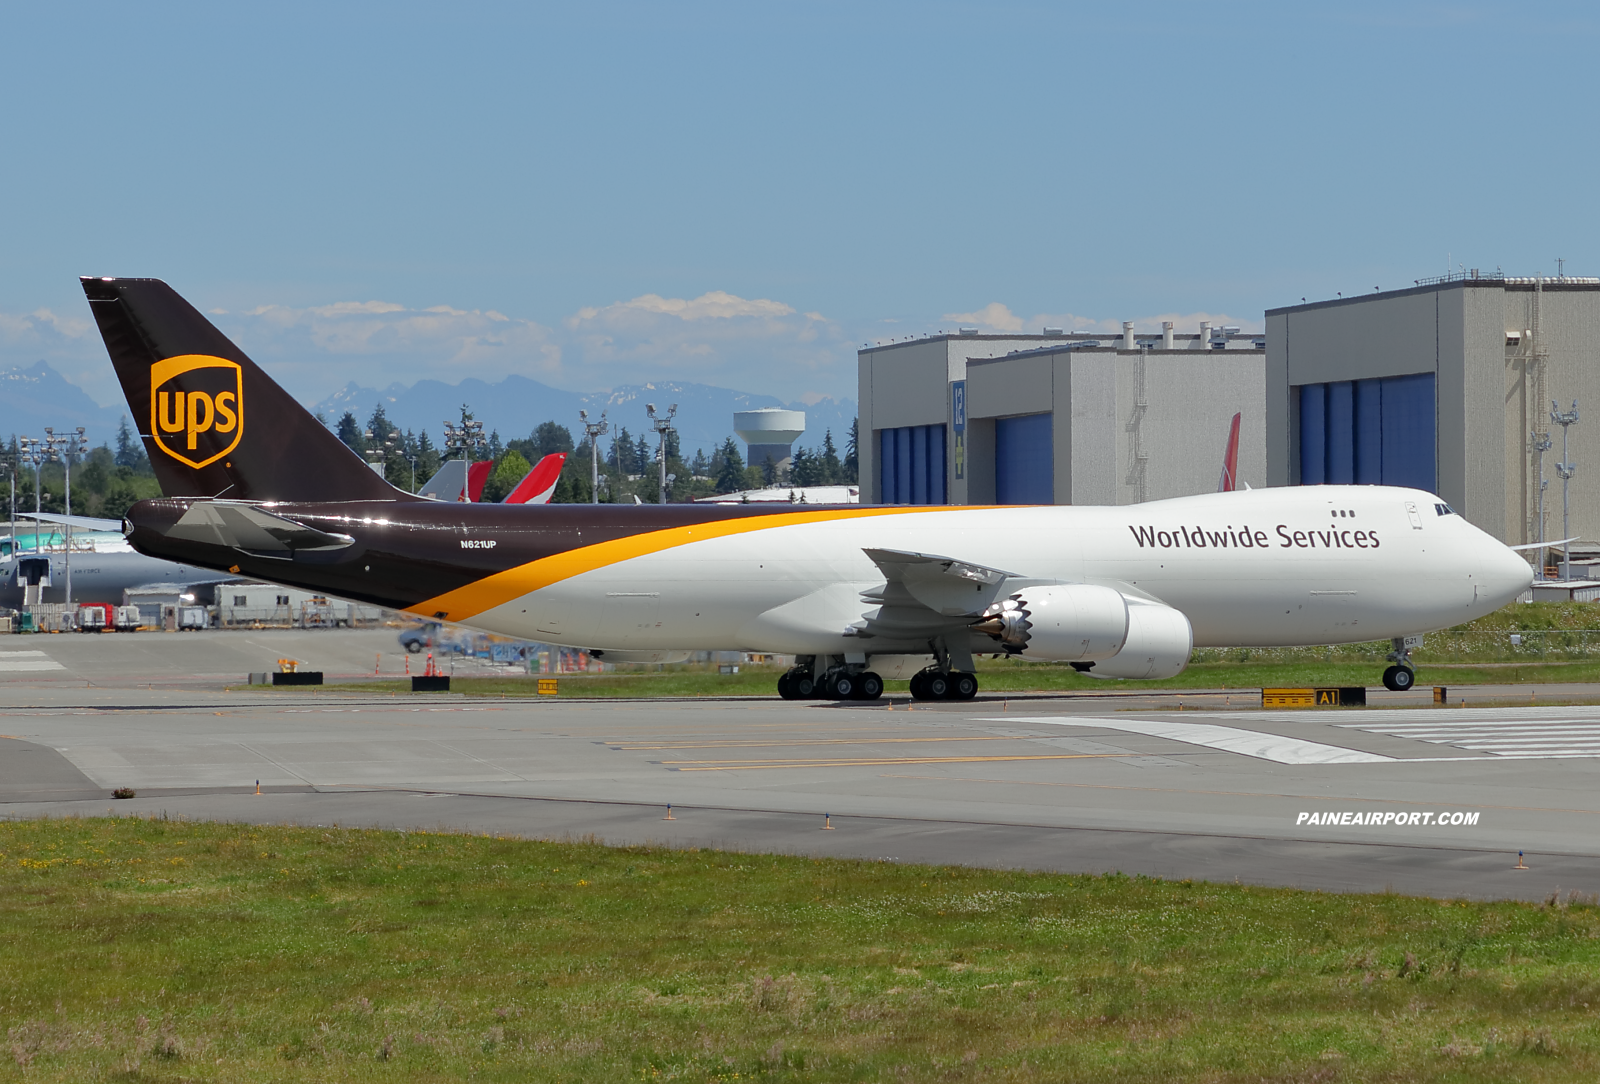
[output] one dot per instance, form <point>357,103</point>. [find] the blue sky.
<point>742,194</point>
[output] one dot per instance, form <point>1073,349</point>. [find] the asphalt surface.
<point>1079,783</point>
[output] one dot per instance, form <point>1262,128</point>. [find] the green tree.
<point>832,471</point>
<point>730,478</point>
<point>804,468</point>
<point>510,470</point>
<point>350,432</point>
<point>769,472</point>
<point>852,462</point>
<point>130,450</point>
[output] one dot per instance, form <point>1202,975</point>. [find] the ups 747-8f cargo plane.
<point>256,486</point>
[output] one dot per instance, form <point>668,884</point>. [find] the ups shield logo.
<point>196,407</point>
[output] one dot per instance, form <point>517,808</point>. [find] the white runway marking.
<point>14,661</point>
<point>1526,734</point>
<point>1250,743</point>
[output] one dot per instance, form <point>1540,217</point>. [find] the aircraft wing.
<point>252,529</point>
<point>82,523</point>
<point>945,585</point>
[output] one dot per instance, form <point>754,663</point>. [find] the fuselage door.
<point>33,571</point>
<point>1411,513</point>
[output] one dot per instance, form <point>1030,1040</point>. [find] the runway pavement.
<point>1069,783</point>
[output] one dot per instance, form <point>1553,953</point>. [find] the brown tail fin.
<point>213,423</point>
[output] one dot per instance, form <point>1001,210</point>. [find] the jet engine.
<point>1074,622</point>
<point>1158,644</point>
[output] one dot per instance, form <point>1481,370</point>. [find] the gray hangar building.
<point>1446,386</point>
<point>1059,419</point>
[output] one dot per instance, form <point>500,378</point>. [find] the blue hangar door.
<point>1024,460</point>
<point>1369,432</point>
<point>911,465</point>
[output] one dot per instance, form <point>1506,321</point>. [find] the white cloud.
<point>314,350</point>
<point>994,316</point>
<point>717,338</point>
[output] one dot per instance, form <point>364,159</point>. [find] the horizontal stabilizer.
<point>253,530</point>
<point>82,523</point>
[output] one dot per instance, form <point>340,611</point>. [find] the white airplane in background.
<point>253,483</point>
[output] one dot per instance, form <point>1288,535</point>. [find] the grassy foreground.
<point>163,951</point>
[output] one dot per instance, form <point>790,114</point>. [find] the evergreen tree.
<point>130,450</point>
<point>832,471</point>
<point>701,467</point>
<point>769,472</point>
<point>495,449</point>
<point>350,432</point>
<point>803,468</point>
<point>427,457</point>
<point>621,458</point>
<point>550,438</point>
<point>644,456</point>
<point>380,426</point>
<point>852,462</point>
<point>510,470</point>
<point>730,477</point>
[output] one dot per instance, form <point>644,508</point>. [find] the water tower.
<point>770,433</point>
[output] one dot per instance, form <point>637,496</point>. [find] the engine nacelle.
<point>1074,622</point>
<point>1158,645</point>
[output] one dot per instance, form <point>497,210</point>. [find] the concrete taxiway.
<point>1064,783</point>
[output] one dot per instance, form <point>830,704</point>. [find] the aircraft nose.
<point>1506,574</point>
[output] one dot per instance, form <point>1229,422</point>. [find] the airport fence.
<point>1478,645</point>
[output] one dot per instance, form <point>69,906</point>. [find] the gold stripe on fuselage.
<point>465,603</point>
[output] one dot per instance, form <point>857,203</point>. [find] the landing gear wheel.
<point>963,686</point>
<point>786,687</point>
<point>1399,678</point>
<point>937,686</point>
<point>804,686</point>
<point>843,687</point>
<point>919,686</point>
<point>869,686</point>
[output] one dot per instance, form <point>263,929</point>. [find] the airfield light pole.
<point>1541,445</point>
<point>380,453</point>
<point>594,431</point>
<point>70,445</point>
<point>1566,468</point>
<point>9,458</point>
<point>33,452</point>
<point>663,427</point>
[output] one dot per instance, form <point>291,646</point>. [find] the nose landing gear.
<point>1402,675</point>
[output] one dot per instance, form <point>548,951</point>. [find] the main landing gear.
<point>837,684</point>
<point>1402,675</point>
<point>943,685</point>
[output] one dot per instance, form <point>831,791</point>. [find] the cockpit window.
<point>1444,510</point>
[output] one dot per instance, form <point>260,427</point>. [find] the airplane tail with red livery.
<point>1230,459</point>
<point>540,482</point>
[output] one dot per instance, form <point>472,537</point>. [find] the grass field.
<point>165,951</point>
<point>1558,646</point>
<point>1001,675</point>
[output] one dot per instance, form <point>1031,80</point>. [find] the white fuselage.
<point>1294,566</point>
